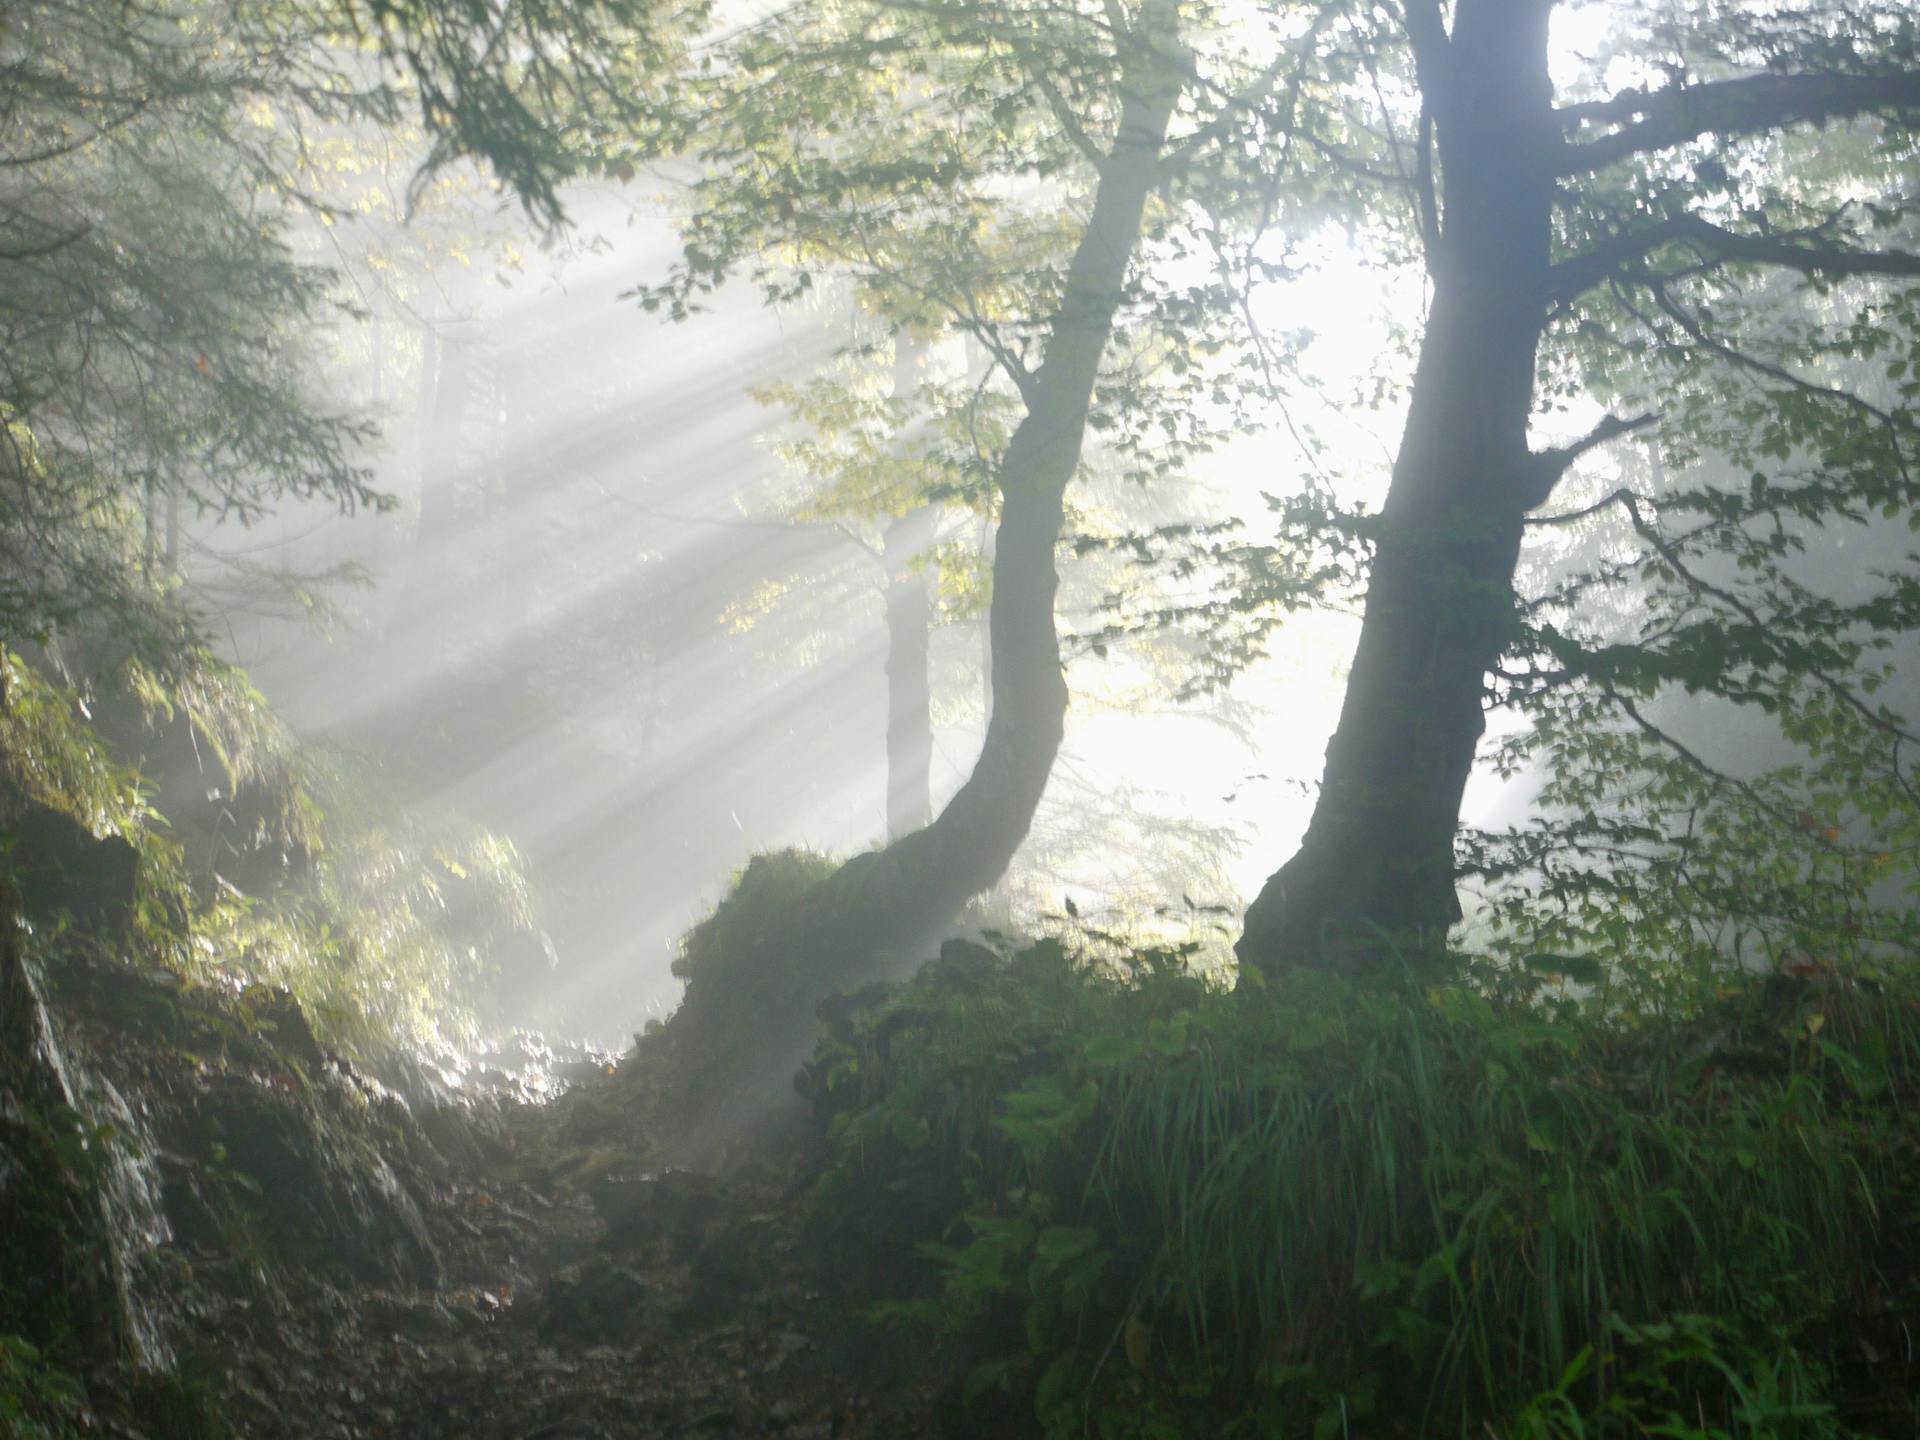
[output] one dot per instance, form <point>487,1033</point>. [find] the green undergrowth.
<point>1154,1209</point>
<point>38,1400</point>
<point>256,858</point>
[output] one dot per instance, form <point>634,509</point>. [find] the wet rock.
<point>277,1019</point>
<point>79,1208</point>
<point>325,1198</point>
<point>594,1303</point>
<point>669,1207</point>
<point>415,1317</point>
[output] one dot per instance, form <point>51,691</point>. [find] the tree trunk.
<point>748,1019</point>
<point>909,614</point>
<point>909,692</point>
<point>1376,866</point>
<point>921,880</point>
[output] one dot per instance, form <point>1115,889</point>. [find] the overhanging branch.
<point>1658,120</point>
<point>1616,255</point>
<point>1545,467</point>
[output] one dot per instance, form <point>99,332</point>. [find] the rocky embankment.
<point>214,1225</point>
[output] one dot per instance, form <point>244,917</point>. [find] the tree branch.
<point>1585,512</point>
<point>1697,332</point>
<point>1612,257</point>
<point>1429,203</point>
<point>1545,467</point>
<point>1661,119</point>
<point>1792,254</point>
<point>1649,531</point>
<point>46,247</point>
<point>1063,115</point>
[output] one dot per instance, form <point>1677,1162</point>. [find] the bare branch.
<point>1545,467</point>
<point>1794,254</point>
<point>1585,512</point>
<point>1616,255</point>
<point>46,247</point>
<point>1658,120</point>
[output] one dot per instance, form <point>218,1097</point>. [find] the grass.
<point>1390,1210</point>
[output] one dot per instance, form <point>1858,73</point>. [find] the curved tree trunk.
<point>1377,861</point>
<point>909,608</point>
<point>748,1019</point>
<point>921,880</point>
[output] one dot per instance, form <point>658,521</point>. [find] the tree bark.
<point>748,1019</point>
<point>1375,872</point>
<point>921,880</point>
<point>909,610</point>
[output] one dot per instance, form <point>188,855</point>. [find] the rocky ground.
<point>317,1256</point>
<point>704,1314</point>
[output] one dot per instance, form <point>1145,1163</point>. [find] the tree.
<point>1081,100</point>
<point>1539,219</point>
<point>923,878</point>
<point>879,468</point>
<point>156,313</point>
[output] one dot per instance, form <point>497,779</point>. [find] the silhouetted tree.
<point>1600,219</point>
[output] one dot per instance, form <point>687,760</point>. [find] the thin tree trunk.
<point>909,609</point>
<point>1377,861</point>
<point>748,1019</point>
<point>920,881</point>
<point>909,614</point>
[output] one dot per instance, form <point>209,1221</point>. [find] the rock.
<point>325,1197</point>
<point>68,871</point>
<point>583,1304</point>
<point>670,1207</point>
<point>79,1210</point>
<point>418,1317</point>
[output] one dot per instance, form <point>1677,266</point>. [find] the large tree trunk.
<point>1376,867</point>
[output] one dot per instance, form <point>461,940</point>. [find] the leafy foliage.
<point>1378,1211</point>
<point>158,315</point>
<point>304,870</point>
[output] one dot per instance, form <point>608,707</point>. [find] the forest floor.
<point>326,1260</point>
<point>704,1314</point>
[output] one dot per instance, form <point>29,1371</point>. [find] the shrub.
<point>1320,1209</point>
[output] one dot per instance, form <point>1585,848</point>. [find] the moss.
<point>38,1400</point>
<point>747,928</point>
<point>752,970</point>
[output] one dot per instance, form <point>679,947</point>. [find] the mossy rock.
<point>752,929</point>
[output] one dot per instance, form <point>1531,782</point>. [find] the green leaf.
<point>1060,1243</point>
<point>1113,1049</point>
<point>909,1129</point>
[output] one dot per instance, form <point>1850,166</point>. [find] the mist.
<point>841,720</point>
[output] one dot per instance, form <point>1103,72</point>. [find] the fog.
<point>598,620</point>
<point>592,623</point>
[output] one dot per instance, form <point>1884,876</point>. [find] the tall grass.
<point>1393,1210</point>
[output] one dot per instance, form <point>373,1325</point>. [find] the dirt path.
<point>702,1312</point>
